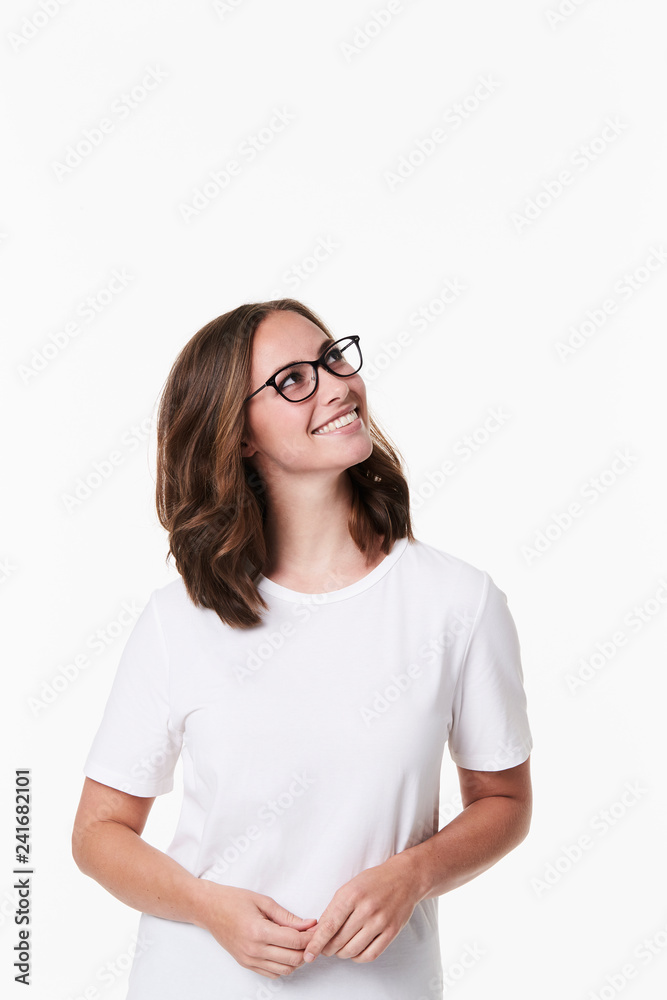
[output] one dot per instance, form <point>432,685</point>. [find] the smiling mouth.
<point>334,425</point>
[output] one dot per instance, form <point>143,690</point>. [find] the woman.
<point>308,666</point>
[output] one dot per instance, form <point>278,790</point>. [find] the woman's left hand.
<point>366,914</point>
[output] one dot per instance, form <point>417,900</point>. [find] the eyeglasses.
<point>340,357</point>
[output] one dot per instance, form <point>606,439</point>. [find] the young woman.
<point>308,666</point>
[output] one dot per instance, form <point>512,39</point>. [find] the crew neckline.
<point>277,590</point>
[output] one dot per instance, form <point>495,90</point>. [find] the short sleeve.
<point>490,729</point>
<point>135,748</point>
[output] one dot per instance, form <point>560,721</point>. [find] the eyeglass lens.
<point>296,382</point>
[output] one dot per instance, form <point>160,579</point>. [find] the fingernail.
<point>308,957</point>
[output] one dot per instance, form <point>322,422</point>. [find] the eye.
<point>293,374</point>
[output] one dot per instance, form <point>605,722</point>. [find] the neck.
<point>306,532</point>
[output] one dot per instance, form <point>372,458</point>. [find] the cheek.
<point>358,386</point>
<point>287,440</point>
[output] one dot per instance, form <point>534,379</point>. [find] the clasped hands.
<point>361,920</point>
<point>365,914</point>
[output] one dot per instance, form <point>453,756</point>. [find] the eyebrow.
<point>327,340</point>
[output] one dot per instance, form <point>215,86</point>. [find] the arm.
<point>107,846</point>
<point>368,912</point>
<point>497,808</point>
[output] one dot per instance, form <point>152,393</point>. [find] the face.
<point>278,435</point>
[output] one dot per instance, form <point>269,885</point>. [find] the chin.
<point>363,451</point>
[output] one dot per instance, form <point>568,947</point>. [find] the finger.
<point>350,929</point>
<point>329,924</point>
<point>362,947</point>
<point>285,937</point>
<point>281,960</point>
<point>284,918</point>
<point>272,970</point>
<point>295,922</point>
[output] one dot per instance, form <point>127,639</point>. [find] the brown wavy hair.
<point>212,503</point>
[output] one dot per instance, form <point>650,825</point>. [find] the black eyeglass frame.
<point>315,364</point>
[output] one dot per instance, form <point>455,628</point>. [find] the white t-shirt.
<point>312,747</point>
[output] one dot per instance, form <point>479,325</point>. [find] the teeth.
<point>333,424</point>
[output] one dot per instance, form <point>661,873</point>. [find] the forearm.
<point>472,842</point>
<point>140,875</point>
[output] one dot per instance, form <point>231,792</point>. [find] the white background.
<point>360,97</point>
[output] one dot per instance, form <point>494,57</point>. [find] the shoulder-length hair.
<point>212,503</point>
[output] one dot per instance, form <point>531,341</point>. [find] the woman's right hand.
<point>257,932</point>
<point>107,845</point>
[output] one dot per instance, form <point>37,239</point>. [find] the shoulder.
<point>436,567</point>
<point>182,621</point>
<point>172,602</point>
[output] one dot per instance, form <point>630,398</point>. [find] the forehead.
<point>284,337</point>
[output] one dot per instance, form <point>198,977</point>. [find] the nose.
<point>330,385</point>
